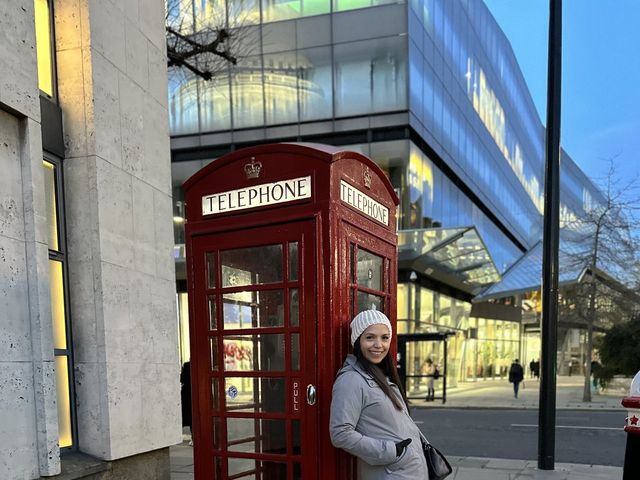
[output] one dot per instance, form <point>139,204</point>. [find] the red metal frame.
<point>204,412</point>
<point>325,227</point>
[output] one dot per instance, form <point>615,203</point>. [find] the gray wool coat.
<point>365,423</point>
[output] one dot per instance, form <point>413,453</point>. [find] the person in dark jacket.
<point>516,374</point>
<point>185,397</point>
<point>369,416</point>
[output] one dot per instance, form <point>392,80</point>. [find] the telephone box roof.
<point>327,153</point>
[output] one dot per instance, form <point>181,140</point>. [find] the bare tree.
<point>201,38</point>
<point>602,245</point>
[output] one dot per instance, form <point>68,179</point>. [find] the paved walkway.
<point>464,468</point>
<point>494,394</point>
<point>499,394</point>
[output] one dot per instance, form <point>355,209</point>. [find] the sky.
<point>600,76</point>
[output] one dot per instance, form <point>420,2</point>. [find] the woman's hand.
<point>400,446</point>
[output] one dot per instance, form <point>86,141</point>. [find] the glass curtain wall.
<point>302,63</point>
<point>479,348</point>
<point>492,151</point>
<point>431,199</point>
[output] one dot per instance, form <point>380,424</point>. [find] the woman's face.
<point>374,343</point>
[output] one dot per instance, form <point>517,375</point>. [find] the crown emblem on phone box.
<point>253,169</point>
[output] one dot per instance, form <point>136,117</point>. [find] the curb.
<point>510,407</point>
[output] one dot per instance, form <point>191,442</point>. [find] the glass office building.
<point>431,91</point>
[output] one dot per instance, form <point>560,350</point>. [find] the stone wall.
<point>112,90</point>
<point>28,429</point>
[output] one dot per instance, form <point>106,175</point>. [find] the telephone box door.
<point>254,328</point>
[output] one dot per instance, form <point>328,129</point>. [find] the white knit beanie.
<point>365,319</point>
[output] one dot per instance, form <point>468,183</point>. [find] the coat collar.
<point>351,363</point>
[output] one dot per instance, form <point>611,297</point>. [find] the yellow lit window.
<point>183,324</point>
<point>52,204</point>
<point>57,305</point>
<point>57,287</point>
<point>43,46</point>
<point>63,401</point>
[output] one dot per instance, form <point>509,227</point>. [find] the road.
<point>588,437</point>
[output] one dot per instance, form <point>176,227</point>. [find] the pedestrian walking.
<point>516,374</point>
<point>532,368</point>
<point>369,410</point>
<point>429,369</point>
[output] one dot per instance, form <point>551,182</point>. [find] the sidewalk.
<point>464,468</point>
<point>499,394</point>
<point>494,394</point>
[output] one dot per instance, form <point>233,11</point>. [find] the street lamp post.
<point>551,240</point>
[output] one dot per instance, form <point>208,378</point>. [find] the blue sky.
<point>600,75</point>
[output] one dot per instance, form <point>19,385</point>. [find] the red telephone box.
<point>285,244</point>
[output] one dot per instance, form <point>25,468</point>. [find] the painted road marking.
<point>577,427</point>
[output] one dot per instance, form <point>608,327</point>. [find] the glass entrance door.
<point>255,336</point>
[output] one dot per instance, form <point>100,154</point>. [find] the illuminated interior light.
<point>43,46</point>
<point>63,401</point>
<point>57,304</point>
<point>52,206</point>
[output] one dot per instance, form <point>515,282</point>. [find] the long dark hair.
<point>380,372</point>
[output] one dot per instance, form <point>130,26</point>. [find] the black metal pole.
<point>551,239</point>
<point>446,371</point>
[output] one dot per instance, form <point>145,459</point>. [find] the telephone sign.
<point>257,196</point>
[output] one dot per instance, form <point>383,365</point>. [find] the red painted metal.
<point>284,436</point>
<point>631,402</point>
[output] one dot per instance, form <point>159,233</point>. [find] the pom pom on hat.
<point>365,319</point>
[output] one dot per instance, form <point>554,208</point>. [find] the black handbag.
<point>437,465</point>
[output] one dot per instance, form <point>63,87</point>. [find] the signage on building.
<point>257,196</point>
<point>363,203</point>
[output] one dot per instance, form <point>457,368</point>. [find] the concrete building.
<point>87,302</point>
<point>431,91</point>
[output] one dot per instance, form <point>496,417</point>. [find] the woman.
<point>369,414</point>
<point>430,371</point>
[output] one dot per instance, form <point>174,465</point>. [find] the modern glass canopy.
<point>574,260</point>
<point>456,256</point>
<point>525,276</point>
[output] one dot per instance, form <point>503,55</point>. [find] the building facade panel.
<point>129,148</point>
<point>68,392</point>
<point>29,431</point>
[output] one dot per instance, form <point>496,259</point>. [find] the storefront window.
<point>426,307</point>
<point>491,347</point>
